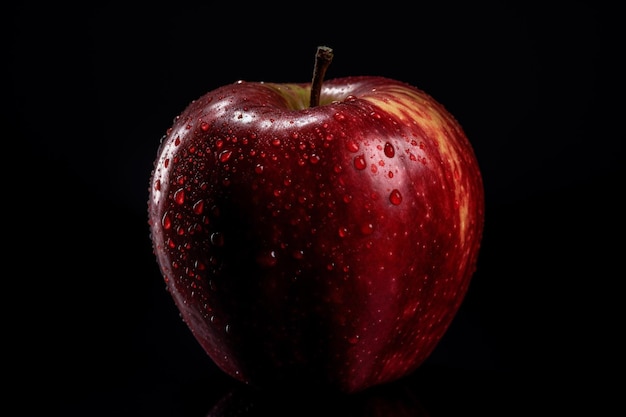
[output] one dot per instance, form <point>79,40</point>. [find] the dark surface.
<point>88,327</point>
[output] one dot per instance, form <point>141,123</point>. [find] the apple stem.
<point>323,58</point>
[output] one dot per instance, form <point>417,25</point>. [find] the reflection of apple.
<point>392,400</point>
<point>327,238</point>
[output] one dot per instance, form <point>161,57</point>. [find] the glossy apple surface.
<point>328,245</point>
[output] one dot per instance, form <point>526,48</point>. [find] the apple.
<point>318,234</point>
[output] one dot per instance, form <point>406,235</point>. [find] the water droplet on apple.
<point>339,117</point>
<point>166,221</point>
<point>353,146</point>
<point>198,207</point>
<point>343,232</point>
<point>395,197</point>
<point>389,150</point>
<point>259,169</point>
<point>179,196</point>
<point>276,142</point>
<point>225,155</point>
<point>199,265</point>
<point>217,239</point>
<point>314,159</point>
<point>359,162</point>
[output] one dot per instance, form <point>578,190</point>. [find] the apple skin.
<point>327,246</point>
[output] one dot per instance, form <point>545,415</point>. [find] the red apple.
<point>315,233</point>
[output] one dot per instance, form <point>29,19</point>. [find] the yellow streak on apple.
<point>401,103</point>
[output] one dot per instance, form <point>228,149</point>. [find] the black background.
<point>88,326</point>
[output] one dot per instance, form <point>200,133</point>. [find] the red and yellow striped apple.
<point>320,234</point>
